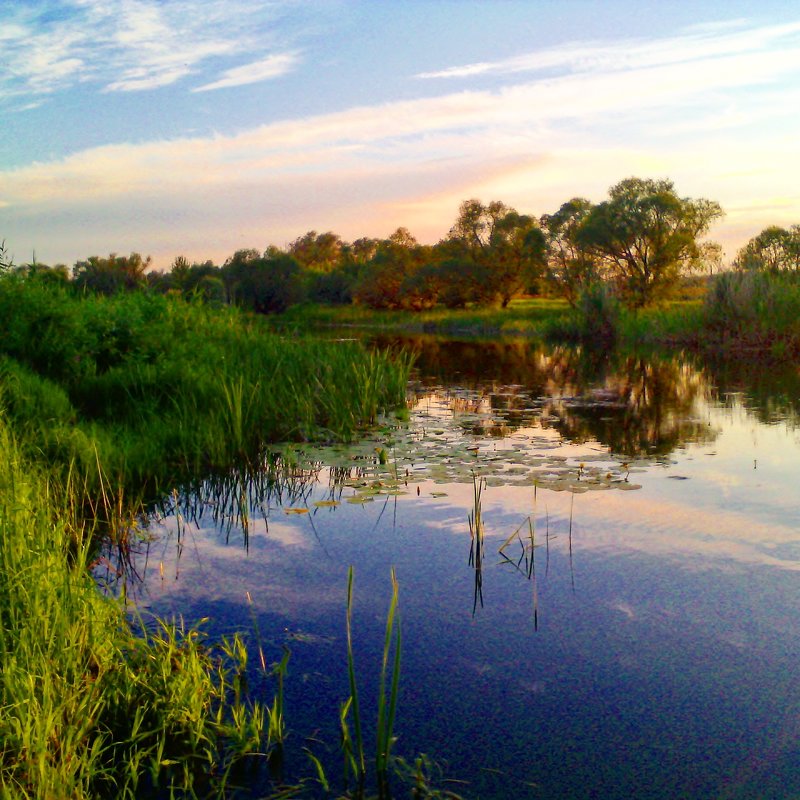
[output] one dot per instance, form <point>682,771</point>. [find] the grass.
<point>353,747</point>
<point>91,703</point>
<point>738,314</point>
<point>522,317</point>
<point>105,402</point>
<point>156,390</point>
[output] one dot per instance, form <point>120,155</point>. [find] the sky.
<point>199,127</point>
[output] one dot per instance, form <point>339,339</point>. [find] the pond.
<point>623,619</point>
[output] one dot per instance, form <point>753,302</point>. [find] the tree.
<point>264,284</point>
<point>387,279</point>
<point>646,235</point>
<point>501,252</point>
<point>111,275</point>
<point>571,267</point>
<point>775,249</point>
<point>320,252</point>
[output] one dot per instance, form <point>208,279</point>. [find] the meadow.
<point>738,314</point>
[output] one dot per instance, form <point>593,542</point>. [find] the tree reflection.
<point>641,407</point>
<point>770,392</point>
<point>634,405</point>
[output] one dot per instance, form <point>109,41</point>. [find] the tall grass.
<point>353,748</point>
<point>91,705</point>
<point>113,400</point>
<point>755,310</point>
<point>158,390</point>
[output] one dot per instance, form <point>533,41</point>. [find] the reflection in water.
<point>770,392</point>
<point>528,553</point>
<point>659,670</point>
<point>632,405</point>
<point>642,407</point>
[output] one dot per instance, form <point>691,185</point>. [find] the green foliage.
<point>156,388</point>
<point>354,750</point>
<point>755,310</point>
<point>390,279</point>
<point>111,275</point>
<point>333,288</point>
<point>598,315</point>
<point>264,284</point>
<point>89,706</point>
<point>318,252</point>
<point>571,267</point>
<point>501,252</point>
<point>775,250</point>
<point>646,235</point>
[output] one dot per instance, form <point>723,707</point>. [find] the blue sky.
<point>198,127</point>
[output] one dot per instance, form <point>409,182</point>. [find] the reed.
<point>89,702</point>
<point>475,521</point>
<point>353,748</point>
<point>160,390</point>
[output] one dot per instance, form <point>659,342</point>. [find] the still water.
<point>634,628</point>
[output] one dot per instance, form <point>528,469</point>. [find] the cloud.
<point>698,44</point>
<point>532,143</point>
<point>124,45</point>
<point>271,67</point>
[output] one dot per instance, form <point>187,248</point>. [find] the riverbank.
<point>107,404</point>
<point>141,391</point>
<point>739,322</point>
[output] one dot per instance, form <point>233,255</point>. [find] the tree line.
<point>636,244</point>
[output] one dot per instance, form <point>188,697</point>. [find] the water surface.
<point>617,641</point>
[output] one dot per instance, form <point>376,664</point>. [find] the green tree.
<point>264,284</point>
<point>320,252</point>
<point>646,236</point>
<point>571,267</point>
<point>387,279</point>
<point>501,252</point>
<point>775,249</point>
<point>111,275</point>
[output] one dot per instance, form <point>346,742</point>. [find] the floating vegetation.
<point>444,444</point>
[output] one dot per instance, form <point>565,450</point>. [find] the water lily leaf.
<point>295,511</point>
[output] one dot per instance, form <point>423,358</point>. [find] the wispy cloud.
<point>271,67</point>
<point>532,142</point>
<point>124,45</point>
<point>698,44</point>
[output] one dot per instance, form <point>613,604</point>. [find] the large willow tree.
<point>647,236</point>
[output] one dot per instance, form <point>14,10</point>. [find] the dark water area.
<point>634,629</point>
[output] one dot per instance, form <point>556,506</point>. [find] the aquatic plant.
<point>353,748</point>
<point>89,702</point>
<point>159,390</point>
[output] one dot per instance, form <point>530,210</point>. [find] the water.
<point>644,643</point>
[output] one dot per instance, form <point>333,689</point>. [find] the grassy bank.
<point>741,315</point>
<point>90,705</point>
<point>141,391</point>
<point>530,317</point>
<point>105,402</point>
